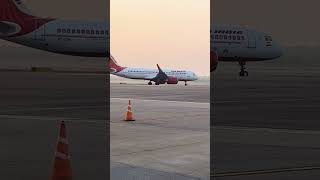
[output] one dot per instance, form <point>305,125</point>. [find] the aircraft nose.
<point>195,77</point>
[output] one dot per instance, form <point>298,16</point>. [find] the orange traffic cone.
<point>129,114</point>
<point>62,167</point>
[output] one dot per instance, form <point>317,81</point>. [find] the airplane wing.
<point>161,77</point>
<point>150,77</point>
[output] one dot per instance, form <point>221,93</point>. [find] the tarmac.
<point>32,103</point>
<point>168,140</point>
<point>266,125</point>
<point>170,137</point>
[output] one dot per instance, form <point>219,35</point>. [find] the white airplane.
<point>158,76</point>
<point>232,43</point>
<point>72,37</point>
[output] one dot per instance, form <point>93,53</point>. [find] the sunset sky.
<point>174,34</point>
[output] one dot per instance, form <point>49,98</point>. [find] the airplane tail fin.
<point>114,66</point>
<point>15,18</point>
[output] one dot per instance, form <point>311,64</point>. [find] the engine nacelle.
<point>172,80</point>
<point>8,28</point>
<point>213,60</point>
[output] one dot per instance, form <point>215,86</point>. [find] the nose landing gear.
<point>243,72</point>
<point>149,83</point>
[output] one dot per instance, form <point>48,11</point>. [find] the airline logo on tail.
<point>114,66</point>
<point>16,20</point>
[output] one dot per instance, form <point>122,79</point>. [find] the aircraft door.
<point>251,39</point>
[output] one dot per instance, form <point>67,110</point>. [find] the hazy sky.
<point>174,34</point>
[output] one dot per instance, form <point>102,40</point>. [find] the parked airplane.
<point>241,44</point>
<point>72,37</point>
<point>158,76</point>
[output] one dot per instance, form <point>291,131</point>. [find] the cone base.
<point>129,120</point>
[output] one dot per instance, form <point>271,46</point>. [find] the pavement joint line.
<point>51,118</point>
<point>265,171</point>
<point>158,170</point>
<point>262,100</point>
<point>157,149</point>
<point>156,100</point>
<point>167,127</point>
<point>270,130</point>
<point>56,108</point>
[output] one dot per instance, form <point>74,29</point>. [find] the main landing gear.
<point>185,83</point>
<point>150,83</point>
<point>243,72</point>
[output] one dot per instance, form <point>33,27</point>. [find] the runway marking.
<point>156,100</point>
<point>265,171</point>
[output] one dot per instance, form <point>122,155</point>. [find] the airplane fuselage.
<point>239,43</point>
<point>81,38</point>
<point>148,74</point>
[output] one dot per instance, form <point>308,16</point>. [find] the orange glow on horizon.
<point>174,34</point>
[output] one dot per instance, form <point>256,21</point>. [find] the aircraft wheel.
<point>241,73</point>
<point>156,83</point>
<point>246,73</point>
<point>150,83</point>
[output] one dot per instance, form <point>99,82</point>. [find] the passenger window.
<point>101,32</point>
<point>92,31</point>
<point>63,30</point>
<point>229,37</point>
<point>107,32</point>
<point>73,31</point>
<point>242,37</point>
<point>59,30</point>
<point>225,37</point>
<point>238,37</point>
<point>83,31</point>
<point>78,31</point>
<point>97,32</point>
<point>234,37</point>
<point>87,31</point>
<point>68,30</point>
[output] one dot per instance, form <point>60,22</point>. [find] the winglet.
<point>160,70</point>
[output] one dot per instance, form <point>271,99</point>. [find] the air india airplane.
<point>72,37</point>
<point>240,44</point>
<point>158,76</point>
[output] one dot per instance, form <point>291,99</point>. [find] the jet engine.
<point>8,28</point>
<point>172,80</point>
